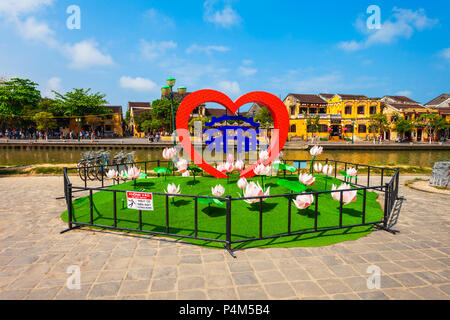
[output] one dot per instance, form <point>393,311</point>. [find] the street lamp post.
<point>170,84</point>
<point>78,120</point>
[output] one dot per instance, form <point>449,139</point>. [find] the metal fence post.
<point>228,223</point>
<point>386,206</point>
<point>69,205</point>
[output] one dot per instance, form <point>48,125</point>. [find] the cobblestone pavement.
<point>34,257</point>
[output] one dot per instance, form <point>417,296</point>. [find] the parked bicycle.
<point>95,164</point>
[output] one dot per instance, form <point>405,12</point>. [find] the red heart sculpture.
<point>274,105</point>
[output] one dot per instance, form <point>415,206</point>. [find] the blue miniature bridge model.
<point>221,142</point>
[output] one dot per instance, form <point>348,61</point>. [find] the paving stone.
<point>165,284</point>
<point>279,290</point>
<point>332,286</point>
<point>222,294</point>
<point>191,283</point>
<point>408,279</point>
<point>218,281</point>
<point>162,295</point>
<point>346,296</point>
<point>430,293</point>
<point>251,293</point>
<point>431,277</point>
<point>104,289</point>
<point>270,276</point>
<point>191,295</point>
<point>43,294</point>
<point>373,295</point>
<point>240,266</point>
<point>130,287</point>
<point>307,289</point>
<point>143,274</point>
<point>400,294</point>
<point>243,278</point>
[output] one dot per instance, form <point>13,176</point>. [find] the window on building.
<point>109,116</point>
<point>309,128</point>
<point>303,110</point>
<point>349,128</point>
<point>292,110</point>
<point>312,110</point>
<point>348,109</point>
<point>362,128</point>
<point>360,109</point>
<point>322,110</point>
<point>323,128</point>
<point>293,128</point>
<point>373,109</point>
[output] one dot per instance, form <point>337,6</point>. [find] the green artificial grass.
<point>244,219</point>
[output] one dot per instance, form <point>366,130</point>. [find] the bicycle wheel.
<point>92,171</point>
<point>81,169</point>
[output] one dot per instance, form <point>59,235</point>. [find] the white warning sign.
<point>140,200</point>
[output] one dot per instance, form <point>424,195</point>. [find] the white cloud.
<point>225,18</point>
<point>34,30</point>
<point>229,87</point>
<point>85,54</point>
<point>137,84</point>
<point>402,24</point>
<point>53,84</point>
<point>153,50</point>
<point>14,8</point>
<point>206,49</point>
<point>247,62</point>
<point>18,13</point>
<point>445,54</point>
<point>406,93</point>
<point>247,71</point>
<point>159,18</point>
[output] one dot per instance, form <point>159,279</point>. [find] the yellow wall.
<point>335,106</point>
<point>115,122</point>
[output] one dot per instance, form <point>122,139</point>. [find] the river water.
<point>378,157</point>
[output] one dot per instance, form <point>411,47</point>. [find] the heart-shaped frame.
<point>271,102</point>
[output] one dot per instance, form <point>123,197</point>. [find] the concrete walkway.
<point>34,258</point>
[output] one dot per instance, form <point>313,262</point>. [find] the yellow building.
<point>135,109</point>
<point>339,116</point>
<point>109,125</point>
<point>406,108</point>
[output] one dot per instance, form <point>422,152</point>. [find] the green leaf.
<point>194,169</point>
<point>162,170</point>
<point>290,168</point>
<point>295,186</point>
<point>205,200</point>
<point>218,202</point>
<point>143,175</point>
<point>282,166</point>
<point>344,174</point>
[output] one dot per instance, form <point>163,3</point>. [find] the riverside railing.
<point>387,185</point>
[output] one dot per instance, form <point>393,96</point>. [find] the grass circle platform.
<point>187,216</point>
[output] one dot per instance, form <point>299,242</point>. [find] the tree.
<point>402,126</point>
<point>378,123</point>
<point>45,121</point>
<point>16,94</point>
<point>161,110</point>
<point>313,123</point>
<point>264,117</point>
<point>141,118</point>
<point>431,123</point>
<point>81,102</point>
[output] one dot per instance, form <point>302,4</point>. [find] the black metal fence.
<point>387,183</point>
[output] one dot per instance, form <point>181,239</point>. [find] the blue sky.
<point>127,49</point>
